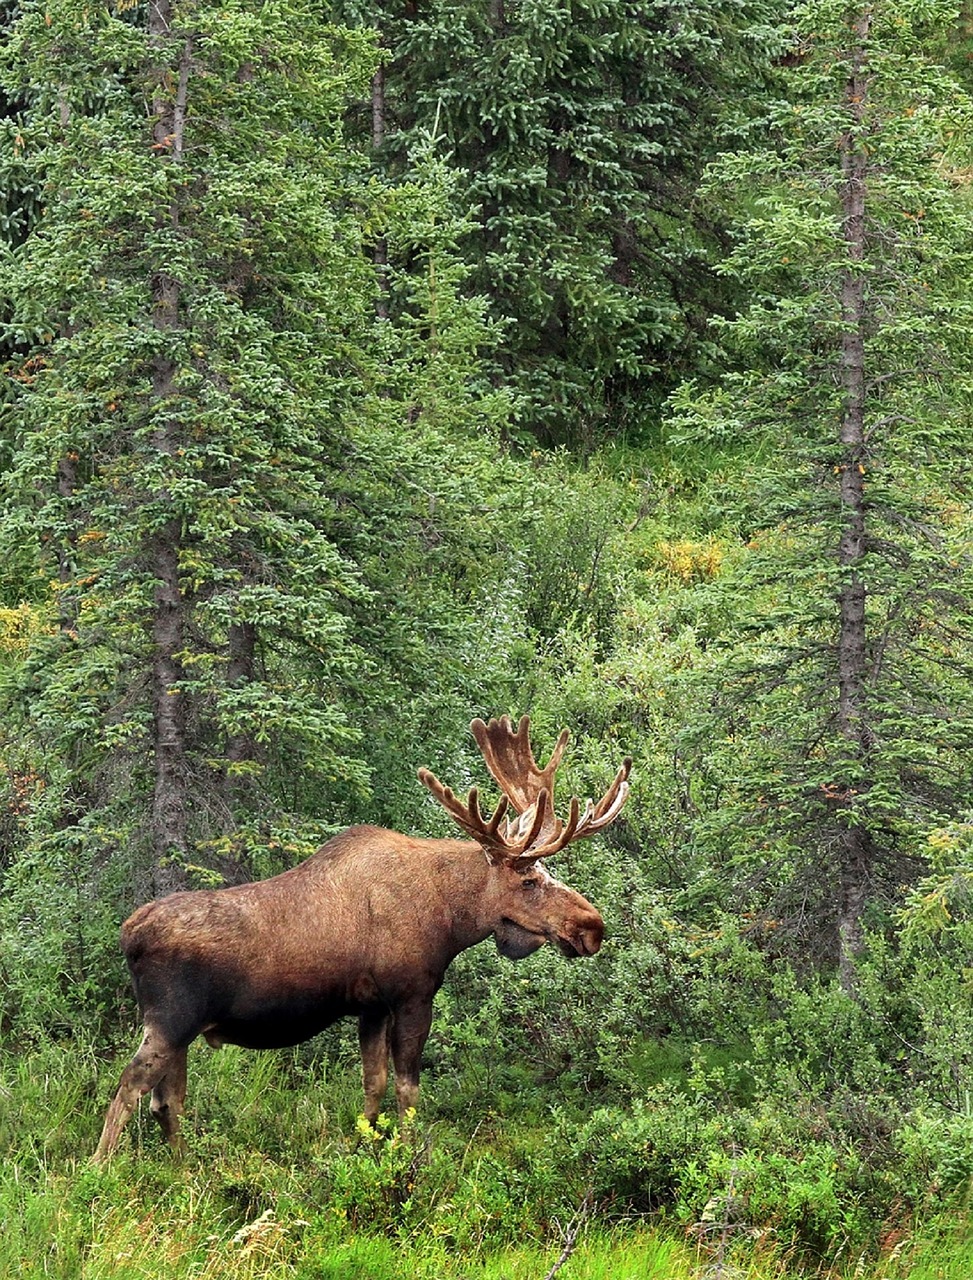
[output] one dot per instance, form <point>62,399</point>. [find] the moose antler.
<point>536,832</point>
<point>509,758</point>
<point>503,841</point>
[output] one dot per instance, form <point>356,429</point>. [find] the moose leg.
<point>373,1039</point>
<point>409,1032</point>
<point>151,1062</point>
<point>168,1099</point>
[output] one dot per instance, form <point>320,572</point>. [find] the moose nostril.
<point>586,942</point>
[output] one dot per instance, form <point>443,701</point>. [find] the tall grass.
<point>282,1181</point>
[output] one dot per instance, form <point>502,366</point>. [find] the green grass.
<point>280,1182</point>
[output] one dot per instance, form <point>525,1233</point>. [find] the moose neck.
<point>466,888</point>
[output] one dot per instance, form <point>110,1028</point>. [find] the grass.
<point>280,1182</point>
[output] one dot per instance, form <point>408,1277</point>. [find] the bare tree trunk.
<point>169,801</point>
<point>856,852</point>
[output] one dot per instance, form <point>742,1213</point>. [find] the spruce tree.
<point>218,440</point>
<point>851,396</point>
<point>580,130</point>
<point>183,388</point>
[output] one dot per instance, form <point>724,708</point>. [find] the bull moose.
<point>365,928</point>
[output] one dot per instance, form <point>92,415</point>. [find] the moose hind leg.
<point>373,1040</point>
<point>168,1100</point>
<point>151,1062</point>
<point>409,1032</point>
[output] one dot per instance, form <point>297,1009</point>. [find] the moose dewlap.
<point>365,928</point>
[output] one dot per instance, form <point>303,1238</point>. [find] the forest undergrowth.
<point>526,1179</point>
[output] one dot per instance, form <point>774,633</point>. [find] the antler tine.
<point>493,826</point>
<point>538,832</point>
<point>567,833</point>
<point>610,805</point>
<point>473,808</point>
<point>557,839</point>
<point>468,815</point>
<point>539,819</point>
<point>497,844</point>
<point>562,741</point>
<point>580,826</point>
<point>508,755</point>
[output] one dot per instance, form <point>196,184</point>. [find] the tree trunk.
<point>169,801</point>
<point>240,671</point>
<point>855,844</point>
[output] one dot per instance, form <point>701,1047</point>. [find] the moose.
<point>366,928</point>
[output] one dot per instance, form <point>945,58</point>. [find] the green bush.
<point>938,1154</point>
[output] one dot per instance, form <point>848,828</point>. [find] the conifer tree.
<point>580,130</point>
<point>217,442</point>
<point>182,387</point>
<point>852,392</point>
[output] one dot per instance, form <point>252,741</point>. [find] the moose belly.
<point>261,1020</point>
<point>270,1031</point>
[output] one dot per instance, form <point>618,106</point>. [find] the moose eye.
<point>531,882</point>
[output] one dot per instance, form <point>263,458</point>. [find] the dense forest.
<point>372,367</point>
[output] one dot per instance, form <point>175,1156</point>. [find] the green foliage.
<point>311,1197</point>
<point>780,781</point>
<point>731,1173</point>
<point>578,131</point>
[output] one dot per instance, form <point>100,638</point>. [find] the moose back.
<point>365,928</point>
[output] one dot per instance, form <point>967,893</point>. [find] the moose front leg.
<point>168,1100</point>
<point>373,1040</point>
<point>410,1030</point>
